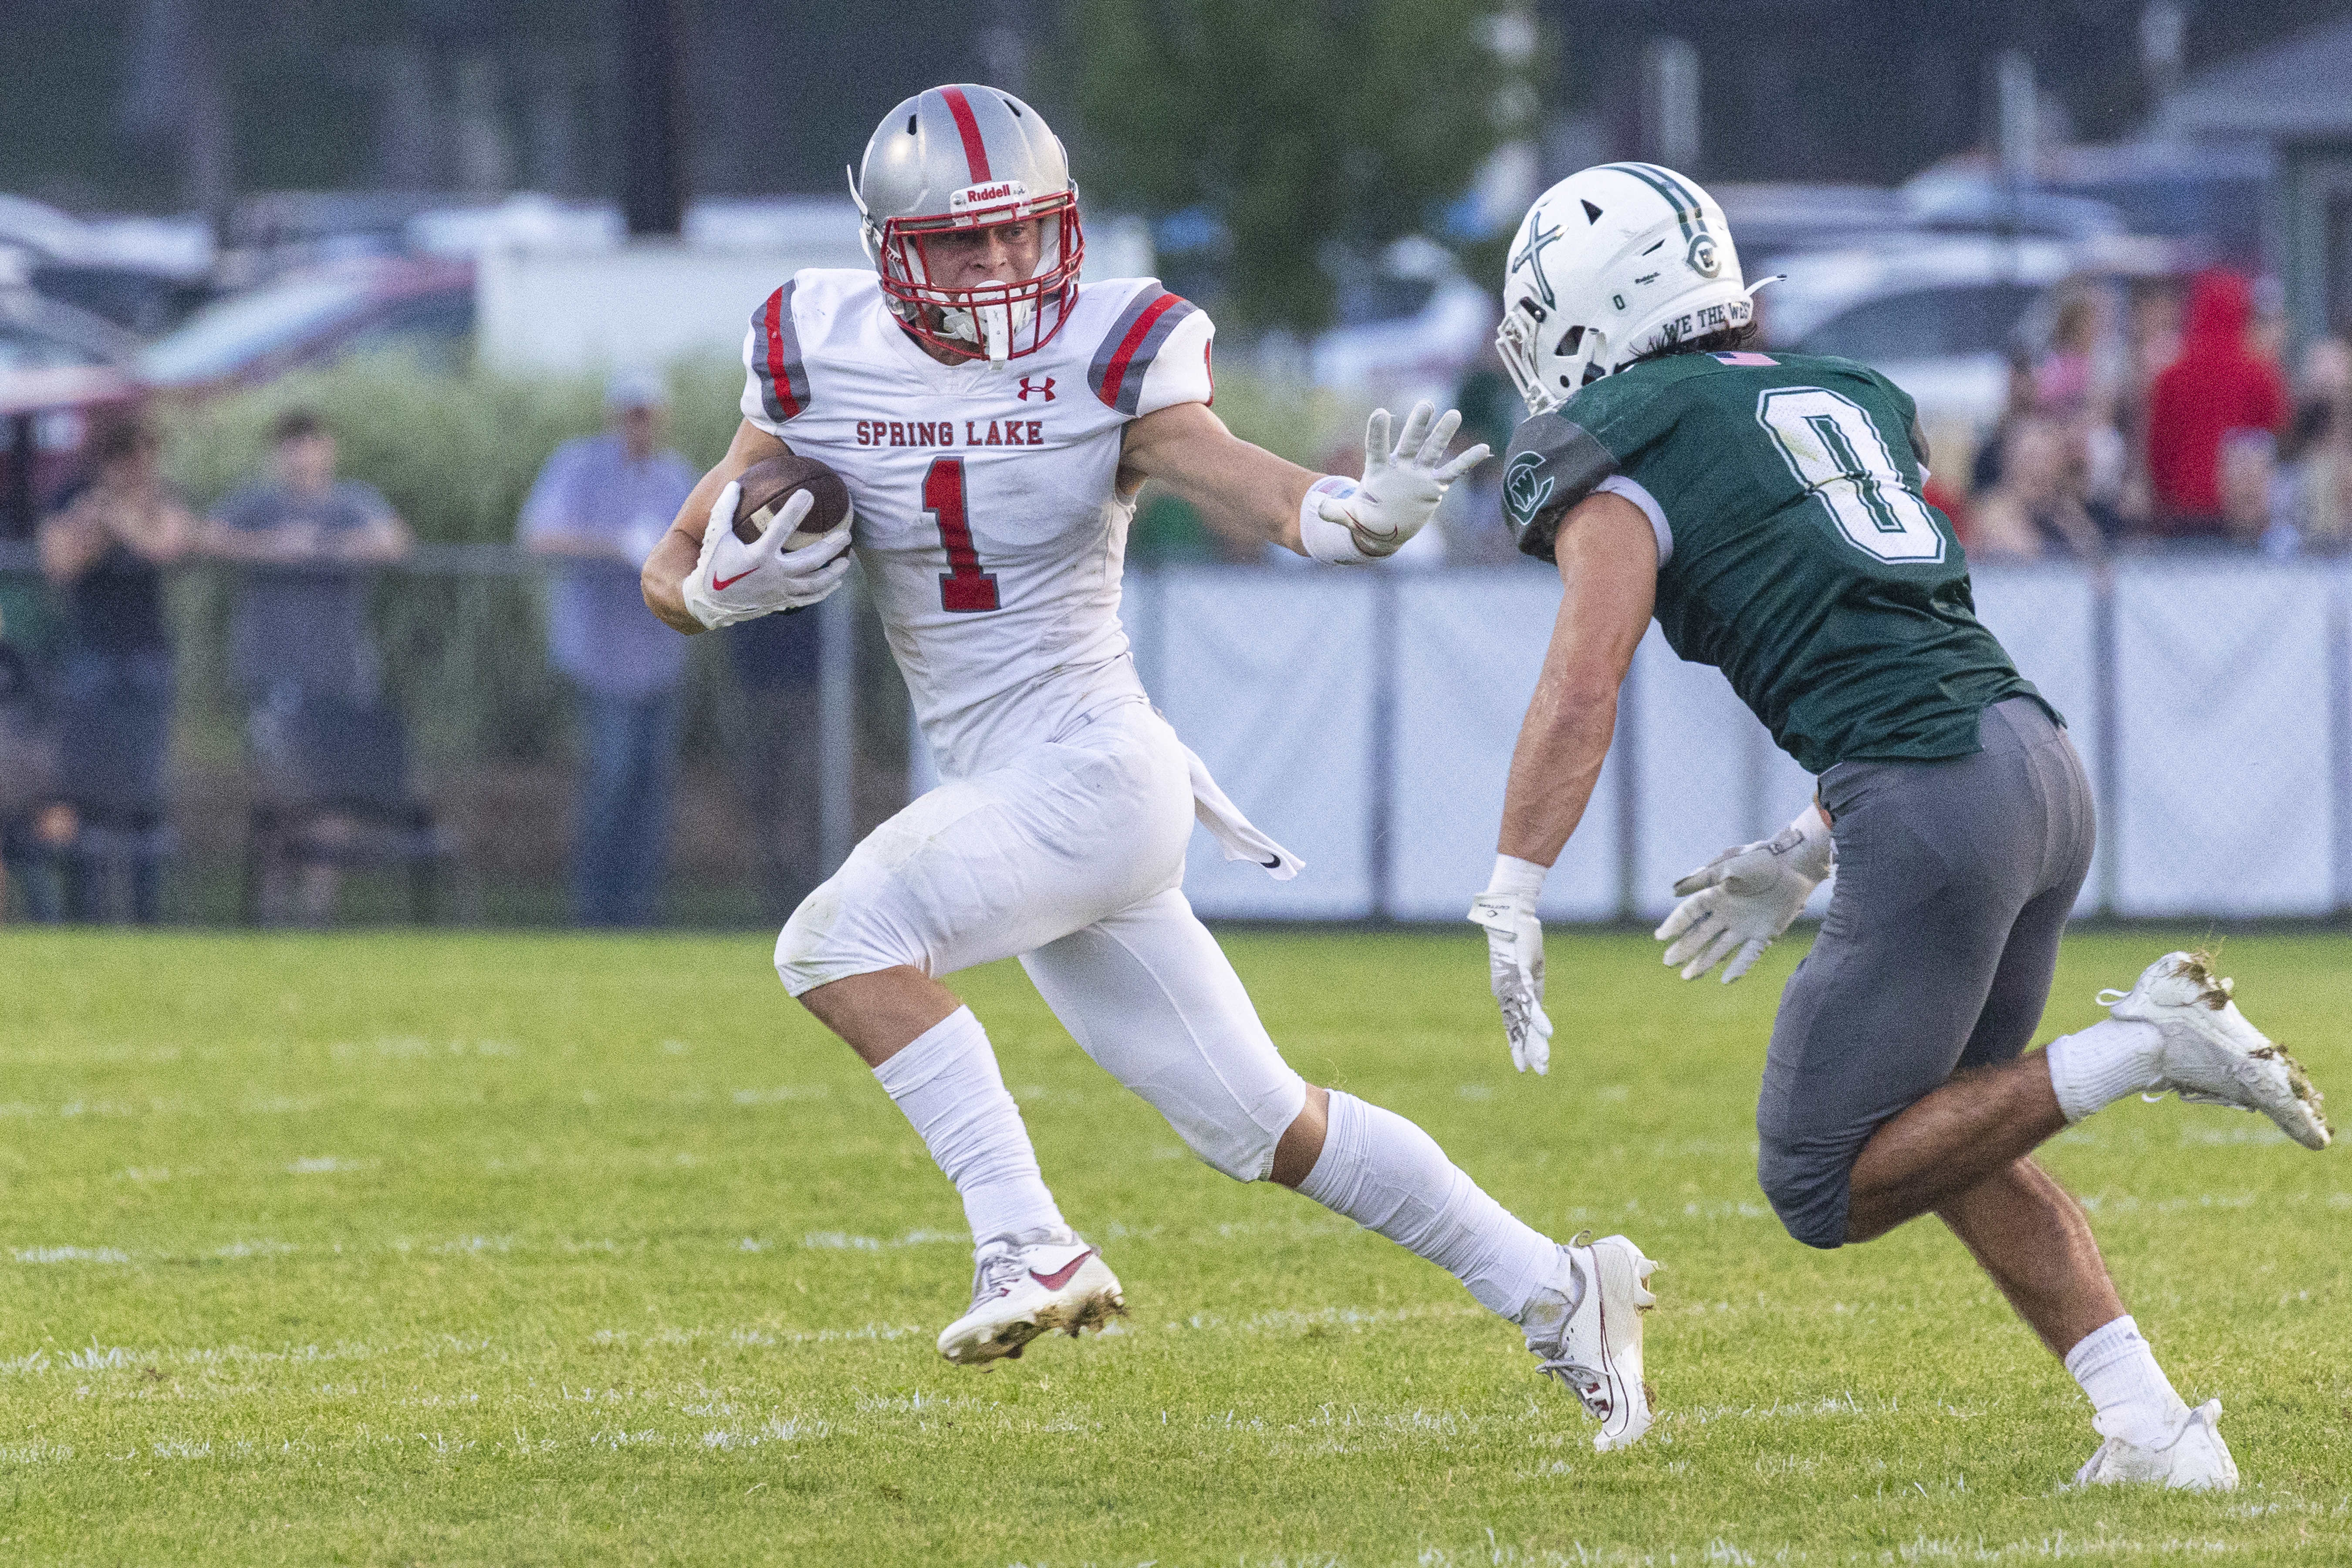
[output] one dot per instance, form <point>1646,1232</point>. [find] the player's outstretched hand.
<point>1515,970</point>
<point>1401,484</point>
<point>1739,903</point>
<point>734,582</point>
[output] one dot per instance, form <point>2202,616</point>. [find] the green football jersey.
<point>1796,552</point>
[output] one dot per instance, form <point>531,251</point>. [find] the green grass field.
<point>485,1249</point>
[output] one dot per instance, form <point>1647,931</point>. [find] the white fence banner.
<point>1269,676</point>
<point>1468,646</point>
<point>1366,720</point>
<point>2226,802</point>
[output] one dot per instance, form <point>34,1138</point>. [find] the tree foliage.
<point>1303,127</point>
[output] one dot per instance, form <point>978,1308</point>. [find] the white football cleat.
<point>1596,1349</point>
<point>2212,1055</point>
<point>2193,1458</point>
<point>1030,1284</point>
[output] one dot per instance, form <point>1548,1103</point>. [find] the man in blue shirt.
<point>308,543</point>
<point>601,504</point>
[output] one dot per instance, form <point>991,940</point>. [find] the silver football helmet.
<point>962,158</point>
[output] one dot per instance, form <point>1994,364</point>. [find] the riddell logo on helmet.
<point>997,194</point>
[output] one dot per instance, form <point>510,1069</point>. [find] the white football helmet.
<point>961,158</point>
<point>1612,263</point>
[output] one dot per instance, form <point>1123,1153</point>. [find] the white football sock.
<point>1389,1177</point>
<point>946,1082</point>
<point>2132,1397</point>
<point>2100,1064</point>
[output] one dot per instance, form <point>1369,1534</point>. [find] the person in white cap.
<point>600,505</point>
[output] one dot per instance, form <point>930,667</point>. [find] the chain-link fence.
<point>775,774</point>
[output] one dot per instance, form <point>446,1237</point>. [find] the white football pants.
<point>1071,856</point>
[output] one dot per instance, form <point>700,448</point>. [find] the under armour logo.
<point>1047,390</point>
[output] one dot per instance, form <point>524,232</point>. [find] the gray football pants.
<point>1954,882</point>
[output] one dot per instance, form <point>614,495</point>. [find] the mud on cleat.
<point>2193,1458</point>
<point>2212,1055</point>
<point>1026,1285</point>
<point>1595,1347</point>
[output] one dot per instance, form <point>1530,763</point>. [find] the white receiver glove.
<point>734,582</point>
<point>1514,958</point>
<point>1348,522</point>
<point>1739,903</point>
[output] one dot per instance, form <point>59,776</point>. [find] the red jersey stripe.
<point>779,376</point>
<point>1115,373</point>
<point>975,151</point>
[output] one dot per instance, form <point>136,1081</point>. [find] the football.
<point>770,482</point>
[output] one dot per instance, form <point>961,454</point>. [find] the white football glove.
<point>1515,970</point>
<point>1739,903</point>
<point>1398,495</point>
<point>734,582</point>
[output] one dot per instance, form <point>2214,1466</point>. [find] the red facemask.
<point>1019,316</point>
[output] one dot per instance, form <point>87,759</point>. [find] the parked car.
<point>1408,327</point>
<point>1939,314</point>
<point>424,306</point>
<point>57,364</point>
<point>144,274</point>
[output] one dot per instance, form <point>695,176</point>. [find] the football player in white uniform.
<point>992,421</point>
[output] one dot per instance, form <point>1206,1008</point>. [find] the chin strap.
<point>989,326</point>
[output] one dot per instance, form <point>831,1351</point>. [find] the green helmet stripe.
<point>1677,194</point>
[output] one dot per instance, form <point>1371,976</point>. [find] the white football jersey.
<point>989,522</point>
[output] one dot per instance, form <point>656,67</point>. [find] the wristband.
<point>1328,542</point>
<point>1814,853</point>
<point>1516,878</point>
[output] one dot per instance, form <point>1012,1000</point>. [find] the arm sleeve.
<point>368,501</point>
<point>1155,354</point>
<point>1180,372</point>
<point>241,508</point>
<point>1554,463</point>
<point>775,376</point>
<point>548,508</point>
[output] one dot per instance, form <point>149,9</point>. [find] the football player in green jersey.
<point>1766,509</point>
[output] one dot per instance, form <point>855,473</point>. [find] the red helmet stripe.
<point>975,151</point>
<point>1114,373</point>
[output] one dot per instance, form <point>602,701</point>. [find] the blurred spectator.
<point>776,664</point>
<point>2217,385</point>
<point>29,836</point>
<point>2319,448</point>
<point>2018,403</point>
<point>2040,510</point>
<point>2065,383</point>
<point>104,550</point>
<point>601,503</point>
<point>2151,342</point>
<point>2252,495</point>
<point>299,634</point>
<point>307,541</point>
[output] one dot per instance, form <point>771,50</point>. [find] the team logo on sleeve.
<point>1524,493</point>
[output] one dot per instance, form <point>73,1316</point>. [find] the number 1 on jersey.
<point>963,587</point>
